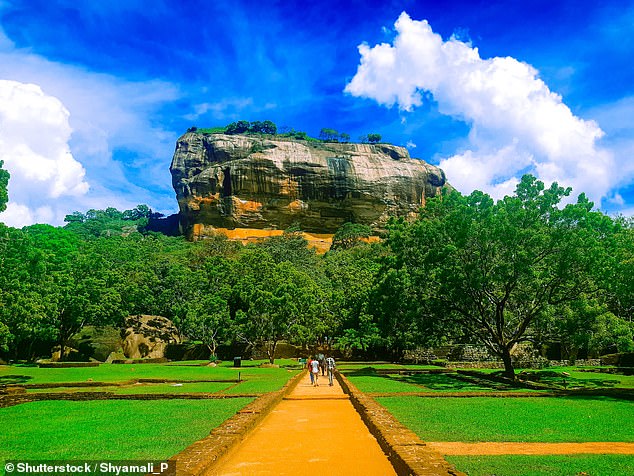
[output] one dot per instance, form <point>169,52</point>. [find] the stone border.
<point>17,399</point>
<point>202,456</point>
<point>124,383</point>
<point>467,394</point>
<point>406,451</point>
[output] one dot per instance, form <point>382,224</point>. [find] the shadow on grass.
<point>559,380</point>
<point>13,379</point>
<point>453,383</point>
<point>445,382</point>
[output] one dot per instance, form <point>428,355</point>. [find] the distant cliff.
<point>238,181</point>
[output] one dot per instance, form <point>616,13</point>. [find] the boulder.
<point>97,342</point>
<point>148,336</point>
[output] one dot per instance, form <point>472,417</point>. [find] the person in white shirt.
<point>315,371</point>
<point>330,365</point>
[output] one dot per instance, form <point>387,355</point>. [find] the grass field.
<point>569,419</point>
<point>591,465</point>
<point>128,429</point>
<point>30,374</point>
<point>487,419</point>
<point>368,381</point>
<point>344,366</point>
<point>578,378</point>
<point>118,429</point>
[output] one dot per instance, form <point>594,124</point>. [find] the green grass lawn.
<point>578,378</point>
<point>586,379</point>
<point>29,374</point>
<point>592,465</point>
<point>368,381</point>
<point>564,419</point>
<point>382,384</point>
<point>194,387</point>
<point>120,429</point>
<point>116,429</point>
<point>343,365</point>
<point>262,382</point>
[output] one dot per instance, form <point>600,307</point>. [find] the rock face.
<point>148,336</point>
<point>236,181</point>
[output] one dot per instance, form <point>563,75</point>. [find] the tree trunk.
<point>62,348</point>
<point>270,350</point>
<point>509,371</point>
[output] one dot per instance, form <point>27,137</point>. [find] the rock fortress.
<point>250,187</point>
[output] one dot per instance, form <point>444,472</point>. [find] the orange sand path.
<point>313,431</point>
<point>450,448</point>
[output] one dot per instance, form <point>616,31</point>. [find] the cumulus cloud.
<point>64,127</point>
<point>34,135</point>
<point>517,124</point>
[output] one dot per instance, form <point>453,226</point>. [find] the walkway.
<point>313,431</point>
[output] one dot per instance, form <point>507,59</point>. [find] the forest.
<point>526,268</point>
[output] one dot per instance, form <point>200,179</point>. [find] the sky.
<point>94,95</point>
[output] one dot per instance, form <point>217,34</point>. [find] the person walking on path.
<point>330,363</point>
<point>322,363</point>
<point>315,371</point>
<point>310,370</point>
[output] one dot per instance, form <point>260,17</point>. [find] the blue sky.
<point>93,95</point>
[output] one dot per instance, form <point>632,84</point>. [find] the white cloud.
<point>81,121</point>
<point>517,124</point>
<point>34,135</point>
<point>224,109</point>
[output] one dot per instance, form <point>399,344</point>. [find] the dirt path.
<point>451,448</point>
<point>313,431</point>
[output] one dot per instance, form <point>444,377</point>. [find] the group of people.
<point>323,364</point>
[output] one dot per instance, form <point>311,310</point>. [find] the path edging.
<point>406,451</point>
<point>202,456</point>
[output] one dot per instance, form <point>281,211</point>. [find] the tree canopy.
<point>468,269</point>
<point>500,268</point>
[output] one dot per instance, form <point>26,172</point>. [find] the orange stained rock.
<point>320,241</point>
<point>313,431</point>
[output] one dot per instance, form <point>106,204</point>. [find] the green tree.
<point>352,274</point>
<point>240,127</point>
<point>207,317</point>
<point>496,268</point>
<point>329,135</point>
<point>617,278</point>
<point>279,302</point>
<point>4,183</point>
<point>349,235</point>
<point>208,321</point>
<point>290,246</point>
<point>78,294</point>
<point>371,138</point>
<point>269,127</point>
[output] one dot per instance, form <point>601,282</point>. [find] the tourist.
<point>322,363</point>
<point>310,370</point>
<point>330,363</point>
<point>315,371</point>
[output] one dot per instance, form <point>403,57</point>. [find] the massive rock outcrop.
<point>237,181</point>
